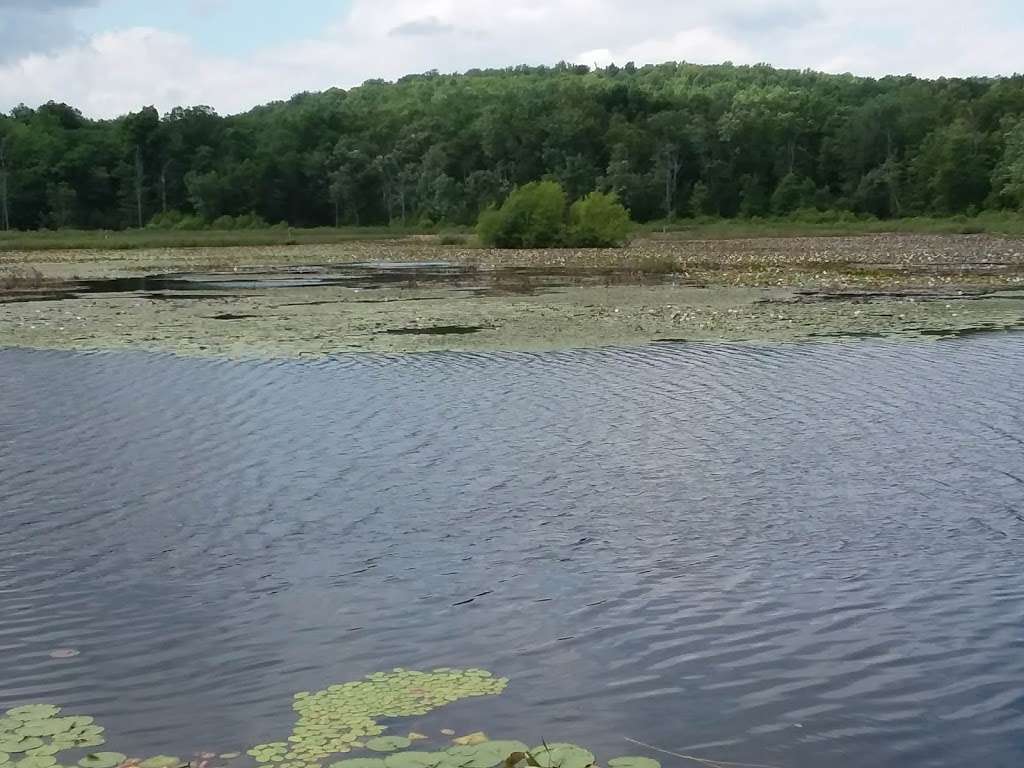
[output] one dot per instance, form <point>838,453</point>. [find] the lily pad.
<point>161,761</point>
<point>359,762</point>
<point>633,762</point>
<point>43,761</point>
<point>387,743</point>
<point>413,760</point>
<point>15,744</point>
<point>4,758</point>
<point>88,742</point>
<point>506,748</point>
<point>40,728</point>
<point>230,755</point>
<point>33,712</point>
<point>470,739</point>
<point>45,750</point>
<point>562,756</point>
<point>102,760</point>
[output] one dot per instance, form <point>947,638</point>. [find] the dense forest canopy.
<point>671,140</point>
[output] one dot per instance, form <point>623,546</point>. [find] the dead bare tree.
<point>671,165</point>
<point>139,175</point>
<point>5,215</point>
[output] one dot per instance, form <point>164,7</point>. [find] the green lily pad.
<point>473,756</point>
<point>88,742</point>
<point>78,721</point>
<point>413,760</point>
<point>633,762</point>
<point>388,743</point>
<point>562,756</point>
<point>102,760</point>
<point>45,750</point>
<point>43,761</point>
<point>42,728</point>
<point>32,712</point>
<point>17,744</point>
<point>4,758</point>
<point>359,762</point>
<point>161,761</point>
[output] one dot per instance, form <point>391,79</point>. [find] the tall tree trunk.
<point>138,184</point>
<point>163,187</point>
<point>5,216</point>
<point>672,168</point>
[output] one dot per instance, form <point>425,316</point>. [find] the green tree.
<point>533,216</point>
<point>792,193</point>
<point>598,221</point>
<point>1008,175</point>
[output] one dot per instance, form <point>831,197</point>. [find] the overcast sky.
<point>108,57</point>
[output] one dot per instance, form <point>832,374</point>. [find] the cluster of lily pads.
<point>484,753</point>
<point>33,736</point>
<point>342,717</point>
<point>334,721</point>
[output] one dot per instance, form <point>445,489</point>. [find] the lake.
<point>796,555</point>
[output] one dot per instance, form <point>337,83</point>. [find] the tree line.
<point>670,140</point>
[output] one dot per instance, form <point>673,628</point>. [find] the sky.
<point>109,57</point>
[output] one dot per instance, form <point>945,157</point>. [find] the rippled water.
<point>797,555</point>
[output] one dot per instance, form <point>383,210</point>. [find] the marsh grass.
<point>802,224</point>
<point>833,224</point>
<point>23,279</point>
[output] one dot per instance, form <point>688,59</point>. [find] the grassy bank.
<point>821,225</point>
<point>836,225</point>
<point>135,239</point>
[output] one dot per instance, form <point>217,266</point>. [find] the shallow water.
<point>798,555</point>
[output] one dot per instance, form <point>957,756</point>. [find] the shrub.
<point>168,220</point>
<point>598,221</point>
<point>190,224</point>
<point>533,216</point>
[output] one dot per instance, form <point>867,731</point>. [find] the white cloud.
<point>123,69</point>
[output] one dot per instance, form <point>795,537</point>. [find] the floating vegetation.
<point>337,720</point>
<point>64,653</point>
<point>633,762</point>
<point>36,732</point>
<point>161,761</point>
<point>102,760</point>
<point>388,743</point>
<point>561,756</point>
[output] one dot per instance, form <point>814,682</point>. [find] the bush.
<point>168,220</point>
<point>190,224</point>
<point>598,221</point>
<point>533,216</point>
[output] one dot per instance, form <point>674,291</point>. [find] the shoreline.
<point>415,296</point>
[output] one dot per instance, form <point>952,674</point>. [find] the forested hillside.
<point>672,140</point>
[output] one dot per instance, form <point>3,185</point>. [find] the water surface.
<point>798,555</point>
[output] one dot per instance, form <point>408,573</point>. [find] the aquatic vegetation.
<point>561,756</point>
<point>161,761</point>
<point>102,760</point>
<point>633,762</point>
<point>337,720</point>
<point>36,732</point>
<point>387,743</point>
